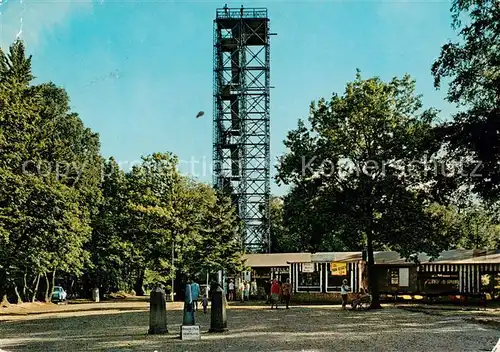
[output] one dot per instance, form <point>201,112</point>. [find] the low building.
<point>456,272</point>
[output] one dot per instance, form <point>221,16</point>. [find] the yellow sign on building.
<point>338,269</point>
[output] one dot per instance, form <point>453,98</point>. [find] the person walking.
<point>344,290</point>
<point>287,292</point>
<point>205,303</point>
<point>231,290</point>
<point>195,293</point>
<point>275,292</point>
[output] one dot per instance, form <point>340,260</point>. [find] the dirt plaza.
<point>123,327</point>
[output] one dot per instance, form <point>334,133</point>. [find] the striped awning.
<point>449,268</point>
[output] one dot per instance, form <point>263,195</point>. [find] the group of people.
<point>279,292</point>
<point>245,290</point>
<point>276,292</point>
<point>195,296</point>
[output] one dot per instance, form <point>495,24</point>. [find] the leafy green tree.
<point>45,209</point>
<point>220,245</point>
<point>479,229</point>
<point>472,66</point>
<point>19,109</point>
<point>165,210</point>
<point>153,189</point>
<point>280,238</point>
<point>109,247</point>
<point>357,161</point>
<point>67,213</point>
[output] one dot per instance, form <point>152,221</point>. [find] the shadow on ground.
<point>318,329</point>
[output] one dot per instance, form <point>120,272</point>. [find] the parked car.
<point>59,295</point>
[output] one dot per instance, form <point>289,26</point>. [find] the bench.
<point>362,303</point>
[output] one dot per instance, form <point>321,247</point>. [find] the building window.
<point>309,281</point>
<point>404,277</point>
<point>393,276</point>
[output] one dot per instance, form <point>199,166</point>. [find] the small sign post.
<point>190,332</point>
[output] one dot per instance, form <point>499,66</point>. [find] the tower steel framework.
<point>241,138</point>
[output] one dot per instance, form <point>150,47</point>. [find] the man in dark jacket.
<point>267,288</point>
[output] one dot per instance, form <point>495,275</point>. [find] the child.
<point>205,303</point>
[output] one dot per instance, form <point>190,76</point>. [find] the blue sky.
<point>138,72</point>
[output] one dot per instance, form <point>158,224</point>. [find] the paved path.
<point>251,329</point>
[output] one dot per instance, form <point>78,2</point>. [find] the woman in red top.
<point>275,294</point>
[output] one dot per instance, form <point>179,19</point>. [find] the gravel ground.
<point>250,329</point>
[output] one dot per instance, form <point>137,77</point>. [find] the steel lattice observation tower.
<point>241,136</point>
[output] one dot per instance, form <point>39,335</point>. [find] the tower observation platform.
<point>241,137</point>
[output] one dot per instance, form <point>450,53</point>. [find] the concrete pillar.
<point>218,318</point>
<point>157,312</point>
<point>95,295</point>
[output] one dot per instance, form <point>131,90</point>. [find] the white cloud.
<point>38,17</point>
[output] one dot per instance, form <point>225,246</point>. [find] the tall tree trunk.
<point>53,283</point>
<point>19,299</point>
<point>47,288</point>
<point>139,283</point>
<point>25,287</point>
<point>35,291</point>
<point>372,275</point>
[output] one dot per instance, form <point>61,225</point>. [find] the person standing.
<point>241,290</point>
<point>247,291</point>
<point>195,293</point>
<point>253,289</point>
<point>287,292</point>
<point>275,294</point>
<point>344,290</point>
<point>231,290</point>
<point>267,288</point>
<point>205,303</point>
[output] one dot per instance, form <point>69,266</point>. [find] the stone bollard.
<point>218,319</point>
<point>157,312</point>
<point>189,331</point>
<point>95,295</point>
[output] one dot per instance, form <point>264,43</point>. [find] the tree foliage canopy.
<point>473,67</point>
<point>358,170</point>
<point>68,215</point>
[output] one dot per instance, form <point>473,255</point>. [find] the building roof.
<point>336,257</point>
<point>457,256</point>
<point>485,259</point>
<point>275,259</point>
